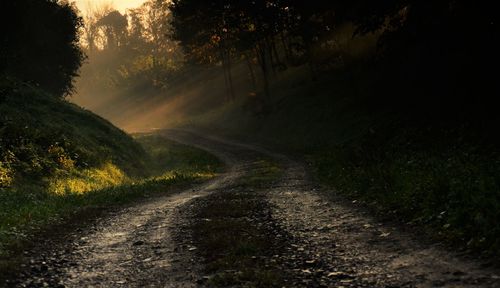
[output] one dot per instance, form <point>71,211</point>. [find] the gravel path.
<point>328,244</point>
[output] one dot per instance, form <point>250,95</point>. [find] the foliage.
<point>439,53</point>
<point>421,60</point>
<point>114,26</point>
<point>5,174</point>
<point>39,43</point>
<point>128,52</point>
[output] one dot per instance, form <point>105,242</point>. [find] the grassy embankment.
<point>432,173</point>
<point>58,160</point>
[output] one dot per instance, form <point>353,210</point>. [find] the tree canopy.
<point>39,43</point>
<point>447,47</point>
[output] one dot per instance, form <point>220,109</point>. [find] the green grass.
<point>264,172</point>
<point>452,190</point>
<point>168,155</point>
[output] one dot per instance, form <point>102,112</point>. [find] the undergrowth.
<point>453,190</point>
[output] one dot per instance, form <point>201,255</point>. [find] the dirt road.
<point>294,236</point>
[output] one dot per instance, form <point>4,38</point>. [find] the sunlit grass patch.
<point>89,179</point>
<point>5,175</point>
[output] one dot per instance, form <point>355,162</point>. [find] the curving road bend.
<point>328,244</point>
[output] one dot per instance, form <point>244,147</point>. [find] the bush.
<point>5,175</point>
<point>39,43</point>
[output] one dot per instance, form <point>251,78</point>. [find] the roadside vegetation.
<point>58,161</point>
<point>450,189</point>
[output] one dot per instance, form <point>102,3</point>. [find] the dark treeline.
<point>435,57</point>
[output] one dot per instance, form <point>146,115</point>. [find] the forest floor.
<point>261,223</point>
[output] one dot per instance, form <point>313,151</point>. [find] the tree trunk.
<point>286,47</point>
<point>279,64</point>
<point>310,63</point>
<point>229,76</point>
<point>269,51</point>
<point>261,50</point>
<point>226,81</point>
<point>250,69</point>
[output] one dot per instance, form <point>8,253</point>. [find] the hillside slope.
<point>42,136</point>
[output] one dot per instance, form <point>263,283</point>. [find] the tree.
<point>114,26</point>
<point>140,56</point>
<point>92,36</point>
<point>39,43</point>
<point>203,29</point>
